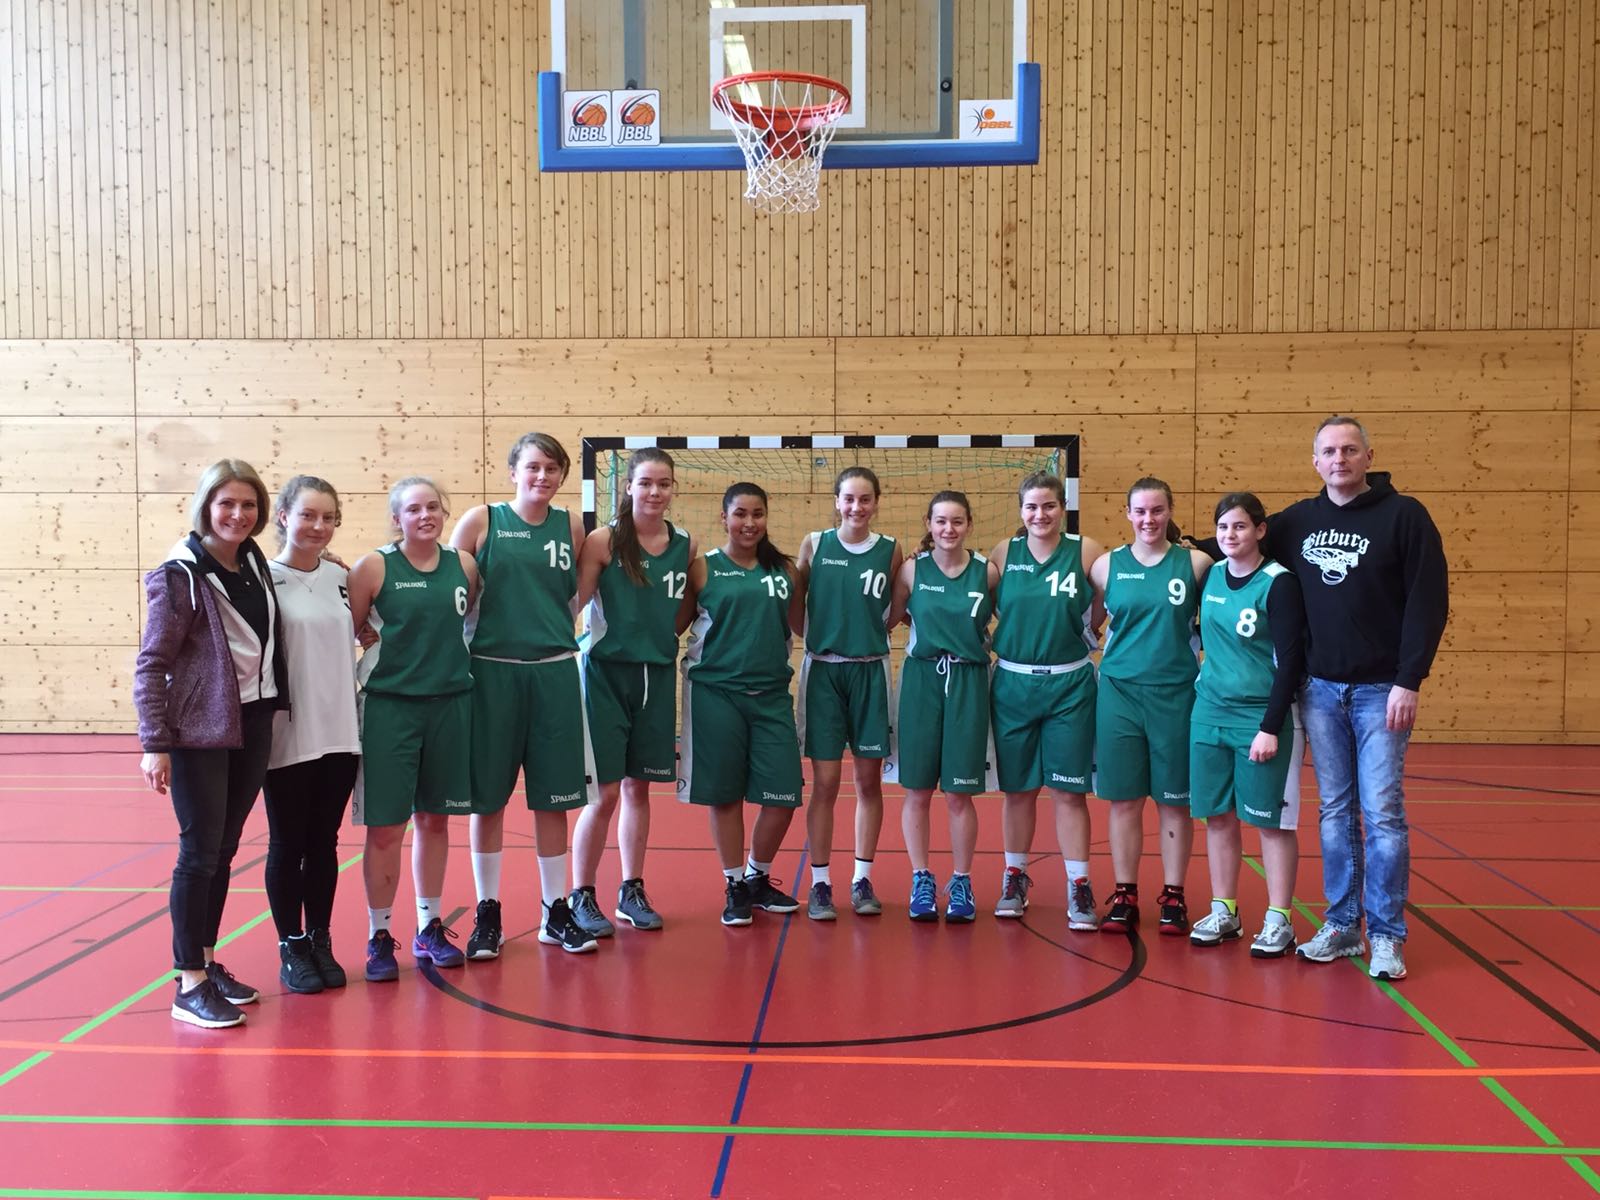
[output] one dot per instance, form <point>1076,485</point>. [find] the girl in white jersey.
<point>841,605</point>
<point>316,745</point>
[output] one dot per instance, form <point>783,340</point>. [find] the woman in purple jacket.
<point>210,674</point>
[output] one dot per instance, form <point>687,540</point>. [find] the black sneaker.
<point>203,1005</point>
<point>328,967</point>
<point>299,971</point>
<point>1123,913</point>
<point>634,907</point>
<point>559,929</point>
<point>487,937</point>
<point>736,910</point>
<point>765,894</point>
<point>381,964</point>
<point>231,989</point>
<point>1174,911</point>
<point>586,912</point>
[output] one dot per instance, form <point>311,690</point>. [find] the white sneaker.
<point>1216,927</point>
<point>1333,942</point>
<point>1274,941</point>
<point>1388,961</point>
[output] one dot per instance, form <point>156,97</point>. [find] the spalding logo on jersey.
<point>1333,553</point>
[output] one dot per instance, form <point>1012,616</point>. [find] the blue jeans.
<point>1359,763</point>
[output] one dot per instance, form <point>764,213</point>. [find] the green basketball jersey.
<point>530,576</point>
<point>950,616</point>
<point>1044,606</point>
<point>637,623</point>
<point>847,596</point>
<point>740,636</point>
<point>1151,638</point>
<point>1236,677</point>
<point>420,617</point>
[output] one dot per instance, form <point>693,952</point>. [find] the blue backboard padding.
<point>553,156</point>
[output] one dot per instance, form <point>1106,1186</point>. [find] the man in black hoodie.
<point>1372,570</point>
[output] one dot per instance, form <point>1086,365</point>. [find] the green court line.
<point>804,1131</point>
<point>128,1002</point>
<point>1534,1125</point>
<point>125,1194</point>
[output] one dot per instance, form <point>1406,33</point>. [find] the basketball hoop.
<point>782,138</point>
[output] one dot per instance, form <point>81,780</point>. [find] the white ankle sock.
<point>1076,870</point>
<point>553,878</point>
<point>1019,861</point>
<point>863,869</point>
<point>427,910</point>
<point>486,873</point>
<point>822,874</point>
<point>752,867</point>
<point>378,918</point>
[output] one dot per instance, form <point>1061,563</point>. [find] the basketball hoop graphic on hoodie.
<point>1333,553</point>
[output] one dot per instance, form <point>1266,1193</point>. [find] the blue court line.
<point>80,882</point>
<point>755,1039</point>
<point>1522,887</point>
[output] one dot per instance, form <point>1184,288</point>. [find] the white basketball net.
<point>782,155</point>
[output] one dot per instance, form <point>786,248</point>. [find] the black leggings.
<point>305,807</point>
<point>213,792</point>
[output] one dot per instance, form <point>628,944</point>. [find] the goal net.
<point>798,474</point>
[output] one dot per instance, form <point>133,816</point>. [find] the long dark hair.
<point>1041,480</point>
<point>948,496</point>
<point>624,535</point>
<point>1151,484</point>
<point>1253,508</point>
<point>768,556</point>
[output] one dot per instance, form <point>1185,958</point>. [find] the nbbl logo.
<point>638,118</point>
<point>586,118</point>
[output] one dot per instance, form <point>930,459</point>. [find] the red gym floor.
<point>866,1058</point>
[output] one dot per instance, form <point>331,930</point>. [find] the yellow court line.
<point>823,1060</point>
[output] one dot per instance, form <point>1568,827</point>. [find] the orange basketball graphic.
<point>594,114</point>
<point>988,114</point>
<point>639,113</point>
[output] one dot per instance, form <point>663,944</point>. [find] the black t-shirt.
<point>245,591</point>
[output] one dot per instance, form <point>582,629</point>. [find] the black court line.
<point>109,939</point>
<point>1136,963</point>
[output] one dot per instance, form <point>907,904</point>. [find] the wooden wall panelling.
<point>1583,615</point>
<point>77,378</point>
<point>1459,452</point>
<point>1585,475</point>
<point>66,454</point>
<point>85,607</point>
<point>43,684</point>
<point>1372,373</point>
<point>418,378</point>
<point>1049,377</point>
<point>745,380</point>
<point>355,454</point>
<point>1583,695</point>
<point>1514,691</point>
<point>70,531</point>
